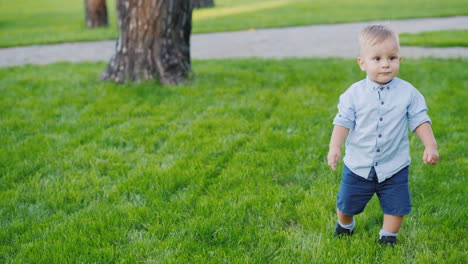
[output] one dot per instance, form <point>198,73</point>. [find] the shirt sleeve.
<point>346,113</point>
<point>417,111</point>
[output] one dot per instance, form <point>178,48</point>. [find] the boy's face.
<point>380,61</point>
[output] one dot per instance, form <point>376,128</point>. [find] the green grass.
<point>230,167</point>
<point>446,38</point>
<point>53,21</point>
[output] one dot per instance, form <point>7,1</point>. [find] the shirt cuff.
<point>343,121</point>
<point>419,120</point>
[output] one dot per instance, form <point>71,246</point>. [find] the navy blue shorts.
<point>356,191</point>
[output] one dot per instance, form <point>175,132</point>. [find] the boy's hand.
<point>431,156</point>
<point>333,157</point>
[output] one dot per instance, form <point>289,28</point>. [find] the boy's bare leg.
<point>344,218</point>
<point>392,223</point>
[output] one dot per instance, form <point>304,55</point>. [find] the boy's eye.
<point>377,58</point>
<point>393,58</point>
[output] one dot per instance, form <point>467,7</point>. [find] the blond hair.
<point>374,34</point>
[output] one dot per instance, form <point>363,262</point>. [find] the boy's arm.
<point>338,136</point>
<point>424,132</point>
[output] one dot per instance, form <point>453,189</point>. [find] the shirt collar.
<point>375,86</point>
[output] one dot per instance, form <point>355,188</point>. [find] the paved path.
<point>336,40</point>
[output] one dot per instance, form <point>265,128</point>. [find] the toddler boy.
<point>374,115</point>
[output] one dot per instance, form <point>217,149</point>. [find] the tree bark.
<point>96,13</point>
<point>154,41</point>
<point>202,3</point>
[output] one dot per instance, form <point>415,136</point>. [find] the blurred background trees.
<point>203,3</point>
<point>154,41</point>
<point>96,13</point>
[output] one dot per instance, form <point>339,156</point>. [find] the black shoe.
<point>340,231</point>
<point>388,240</point>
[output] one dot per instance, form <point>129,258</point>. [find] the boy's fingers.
<point>431,159</point>
<point>335,160</point>
<point>332,163</point>
<point>332,160</point>
<point>428,159</point>
<point>425,158</point>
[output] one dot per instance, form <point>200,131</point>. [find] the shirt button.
<point>380,135</point>
<point>376,164</point>
<point>381,88</point>
<point>381,119</point>
<point>378,150</point>
<point>382,102</point>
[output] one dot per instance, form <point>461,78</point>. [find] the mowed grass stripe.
<point>240,175</point>
<point>178,141</point>
<point>103,171</point>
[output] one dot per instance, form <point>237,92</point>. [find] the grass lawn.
<point>230,167</point>
<point>446,38</point>
<point>53,21</point>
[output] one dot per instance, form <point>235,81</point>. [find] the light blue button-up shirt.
<point>378,118</point>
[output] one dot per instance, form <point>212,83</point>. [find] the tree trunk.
<point>96,13</point>
<point>202,3</point>
<point>154,41</point>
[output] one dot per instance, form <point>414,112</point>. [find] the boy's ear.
<point>361,63</point>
